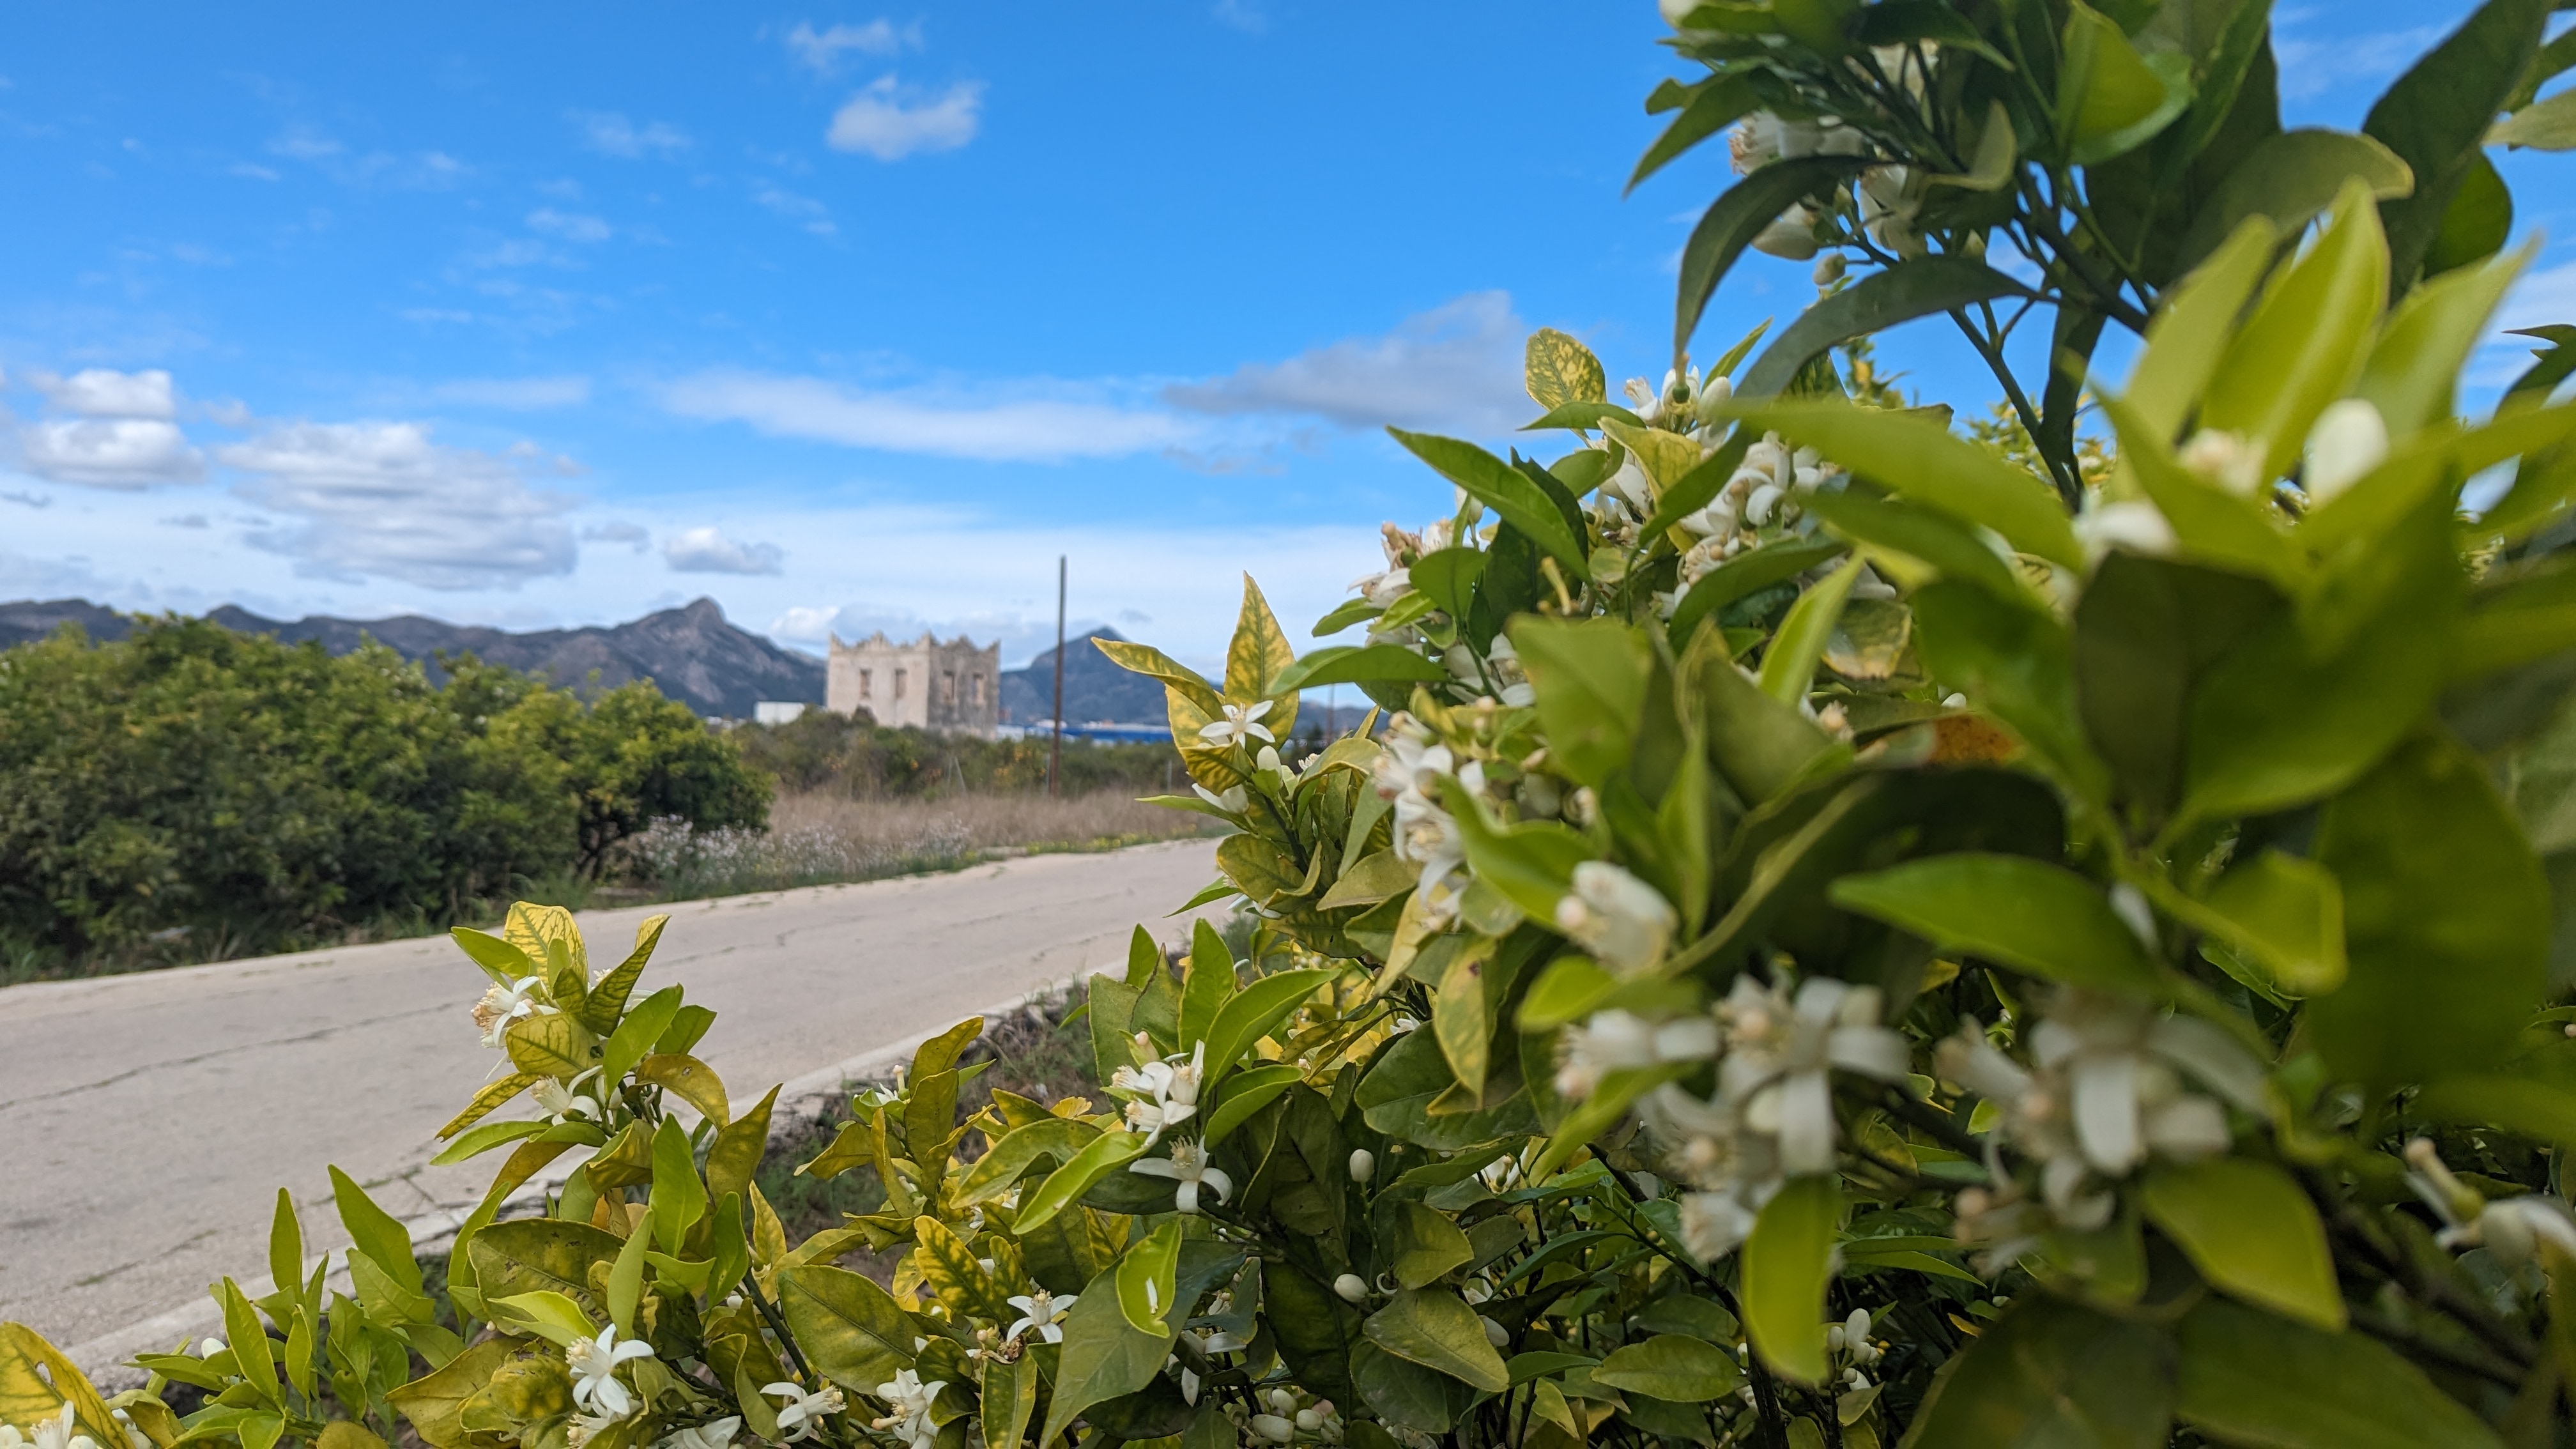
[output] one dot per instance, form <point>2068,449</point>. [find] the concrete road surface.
<point>147,1121</point>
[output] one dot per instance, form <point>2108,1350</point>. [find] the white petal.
<point>1806,1123</point>
<point>1870,1050</point>
<point>2106,1110</point>
<point>2188,1126</point>
<point>2210,1054</point>
<point>1218,1183</point>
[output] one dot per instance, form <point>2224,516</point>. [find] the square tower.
<point>947,688</point>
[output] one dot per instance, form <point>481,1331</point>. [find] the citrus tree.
<point>1847,935</point>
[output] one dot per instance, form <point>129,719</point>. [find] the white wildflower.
<point>501,1005</point>
<point>1617,1040</point>
<point>2226,460</point>
<point>1780,1055</point>
<point>715,1434</point>
<point>910,1399</point>
<point>1041,1312</point>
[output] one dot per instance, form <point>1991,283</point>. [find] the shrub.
<point>825,753</point>
<point>1831,950</point>
<point>229,794</point>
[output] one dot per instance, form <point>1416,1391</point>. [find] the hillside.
<point>1095,690</point>
<point>693,654</point>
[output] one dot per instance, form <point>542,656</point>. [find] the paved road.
<point>147,1121</point>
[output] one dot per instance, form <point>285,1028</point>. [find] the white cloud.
<point>1243,15</point>
<point>519,394</point>
<point>618,531</point>
<point>821,49</point>
<point>890,121</point>
<point>381,499</point>
<point>99,392</point>
<point>2312,65</point>
<point>250,172</point>
<point>707,551</point>
<point>804,623</point>
<point>816,217</point>
<point>1455,368</point>
<point>421,171</point>
<point>109,452</point>
<point>571,226</point>
<point>1024,429</point>
<point>612,133</point>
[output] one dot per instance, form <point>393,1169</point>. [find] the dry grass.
<point>821,839</point>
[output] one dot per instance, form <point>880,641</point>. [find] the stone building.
<point>951,688</point>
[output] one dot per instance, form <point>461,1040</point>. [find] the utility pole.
<point>1055,747</point>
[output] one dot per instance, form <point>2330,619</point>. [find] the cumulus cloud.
<point>812,214</point>
<point>382,499</point>
<point>1455,368</point>
<point>109,452</point>
<point>1021,428</point>
<point>98,392</point>
<point>571,226</point>
<point>890,121</point>
<point>822,49</point>
<point>612,134</point>
<point>519,394</point>
<point>708,551</point>
<point>804,623</point>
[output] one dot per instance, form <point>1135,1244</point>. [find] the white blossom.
<point>500,1005</point>
<point>1162,1093</point>
<point>1383,589</point>
<point>1041,1312</point>
<point>594,1367</point>
<point>57,1432</point>
<point>1792,236</point>
<point>1241,723</point>
<point>2225,459</point>
<point>1890,196</point>
<point>2350,438</point>
<point>910,1399</point>
<point>1188,1165</point>
<point>1620,919</point>
<point>715,1434</point>
<point>1780,1053</point>
<point>2133,524</point>
<point>2511,1228</point>
<point>803,1413</point>
<point>1617,1040</point>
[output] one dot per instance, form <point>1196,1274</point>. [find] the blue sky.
<point>848,317</point>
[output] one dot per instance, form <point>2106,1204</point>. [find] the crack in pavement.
<point>236,1049</point>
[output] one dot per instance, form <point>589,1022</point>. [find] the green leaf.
<point>1503,488</point>
<point>679,1198</point>
<point>1406,1394</point>
<point>1436,1329</point>
<point>694,1081</point>
<point>1789,664</point>
<point>2289,178</point>
<point>1101,1156</point>
<point>2307,339</point>
<point>1254,1012</point>
<point>1257,654</point>
<point>1426,1245</point>
<point>1209,987</point>
<point>554,1045</point>
<point>1713,107</point>
<point>2015,663</point>
<point>2287,913</point>
<point>526,1255</point>
<point>850,1329</point>
<point>739,1146</point>
<point>2051,1373</point>
<point>1009,1397</point>
<point>1147,1276</point>
<point>1744,575</point>
<point>2193,322</point>
<point>2249,1378</point>
<point>1738,216</point>
<point>607,1001</point>
<point>1154,663</point>
<point>1357,663</point>
<point>1589,677</point>
<point>626,1280</point>
<point>1786,1264</point>
<point>252,1352</point>
<point>1559,370</point>
<point>1918,459</point>
<point>546,1314</point>
<point>2420,352</point>
<point>1762,746</point>
<point>2057,926</point>
<point>1056,1138</point>
<point>2476,224</point>
<point>373,1232</point>
<point>2251,1232</point>
<point>1936,538</point>
<point>1104,1356</point>
<point>2437,115</point>
<point>499,959</point>
<point>2446,920</point>
<point>635,1035</point>
<point>2544,1111</point>
<point>2110,98</point>
<point>1917,287</point>
<point>1531,861</point>
<point>1570,989</point>
<point>1246,1092</point>
<point>1670,1366</point>
<point>2213,525</point>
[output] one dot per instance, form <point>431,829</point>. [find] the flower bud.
<point>1273,1428</point>
<point>1495,1333</point>
<point>1283,1401</point>
<point>1351,1288</point>
<point>1829,269</point>
<point>1309,1420</point>
<point>1363,1164</point>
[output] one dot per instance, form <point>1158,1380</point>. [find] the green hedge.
<point>192,792</point>
<point>825,752</point>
